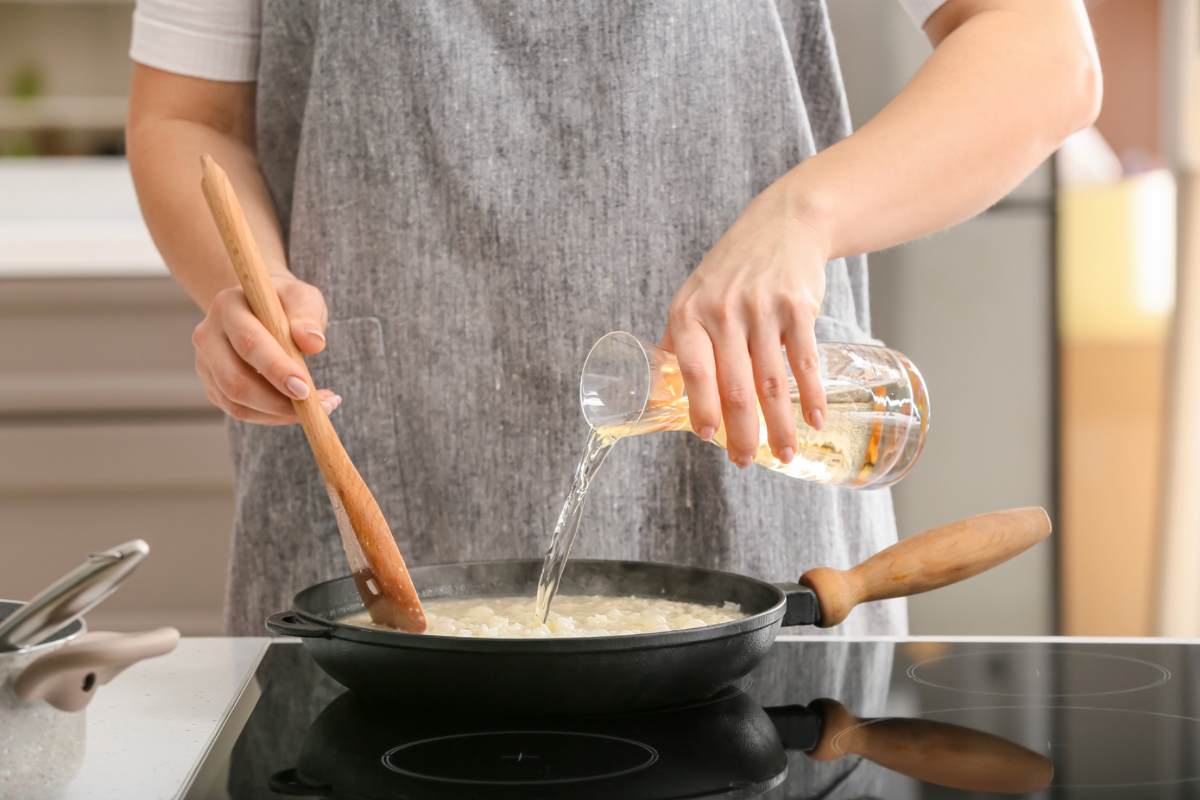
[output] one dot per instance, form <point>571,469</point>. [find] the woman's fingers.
<point>249,375</point>
<point>739,401</point>
<point>305,309</point>
<point>232,408</point>
<point>735,365</point>
<point>247,413</point>
<point>801,340</point>
<point>693,349</point>
<point>255,345</point>
<point>774,393</point>
<point>240,384</point>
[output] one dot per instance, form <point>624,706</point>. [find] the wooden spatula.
<point>379,572</point>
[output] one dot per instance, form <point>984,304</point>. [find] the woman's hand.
<point>246,373</point>
<point>758,290</point>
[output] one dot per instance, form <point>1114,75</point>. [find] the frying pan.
<point>595,674</point>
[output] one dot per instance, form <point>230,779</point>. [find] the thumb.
<point>305,309</point>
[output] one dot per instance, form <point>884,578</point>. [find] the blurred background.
<point>1059,333</point>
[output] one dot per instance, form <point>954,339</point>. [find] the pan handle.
<point>802,607</point>
<point>286,623</point>
<point>938,557</point>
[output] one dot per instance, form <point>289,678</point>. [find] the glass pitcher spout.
<point>876,420</point>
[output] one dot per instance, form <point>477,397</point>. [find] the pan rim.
<point>770,616</point>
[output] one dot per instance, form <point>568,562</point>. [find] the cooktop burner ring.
<point>620,755</point>
<point>835,743</point>
<point>1157,674</point>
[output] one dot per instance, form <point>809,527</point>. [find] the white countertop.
<point>72,217</point>
<point>151,727</point>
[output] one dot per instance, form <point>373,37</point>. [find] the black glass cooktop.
<point>819,718</point>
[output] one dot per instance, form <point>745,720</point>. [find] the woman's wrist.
<point>808,205</point>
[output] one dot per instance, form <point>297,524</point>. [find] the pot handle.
<point>800,607</point>
<point>67,677</point>
<point>932,752</point>
<point>286,623</point>
<point>938,557</point>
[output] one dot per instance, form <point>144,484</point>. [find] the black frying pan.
<point>649,670</point>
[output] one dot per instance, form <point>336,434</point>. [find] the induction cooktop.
<point>818,718</point>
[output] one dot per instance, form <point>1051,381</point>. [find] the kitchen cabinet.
<point>105,436</point>
<point>105,432</point>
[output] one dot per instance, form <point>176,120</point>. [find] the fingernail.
<point>743,462</point>
<point>296,387</point>
<point>315,332</point>
<point>330,404</point>
<point>706,432</point>
<point>786,455</point>
<point>816,419</point>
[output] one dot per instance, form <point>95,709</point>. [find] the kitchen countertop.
<point>150,728</point>
<point>72,218</point>
<point>153,726</point>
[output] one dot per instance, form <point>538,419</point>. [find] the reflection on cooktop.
<point>818,718</point>
<point>1125,747</point>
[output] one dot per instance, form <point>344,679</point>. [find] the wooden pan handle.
<point>383,580</point>
<point>933,752</point>
<point>938,557</point>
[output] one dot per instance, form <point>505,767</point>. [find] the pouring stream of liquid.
<point>565,530</point>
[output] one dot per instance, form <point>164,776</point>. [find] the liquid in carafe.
<point>876,416</point>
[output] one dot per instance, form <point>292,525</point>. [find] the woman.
<point>458,199</point>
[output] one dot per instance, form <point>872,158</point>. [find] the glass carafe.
<point>875,424</point>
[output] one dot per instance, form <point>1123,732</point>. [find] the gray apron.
<point>481,190</point>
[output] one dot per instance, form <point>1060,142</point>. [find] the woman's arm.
<point>1008,81</point>
<point>172,120</point>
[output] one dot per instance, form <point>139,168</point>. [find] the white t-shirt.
<point>218,39</point>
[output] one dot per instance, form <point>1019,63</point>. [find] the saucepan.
<point>50,670</point>
<point>596,674</point>
<point>44,689</point>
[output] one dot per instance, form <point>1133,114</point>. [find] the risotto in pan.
<point>571,615</point>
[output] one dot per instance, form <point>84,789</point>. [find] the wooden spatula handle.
<point>379,570</point>
<point>938,557</point>
<point>933,752</point>
<point>264,302</point>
